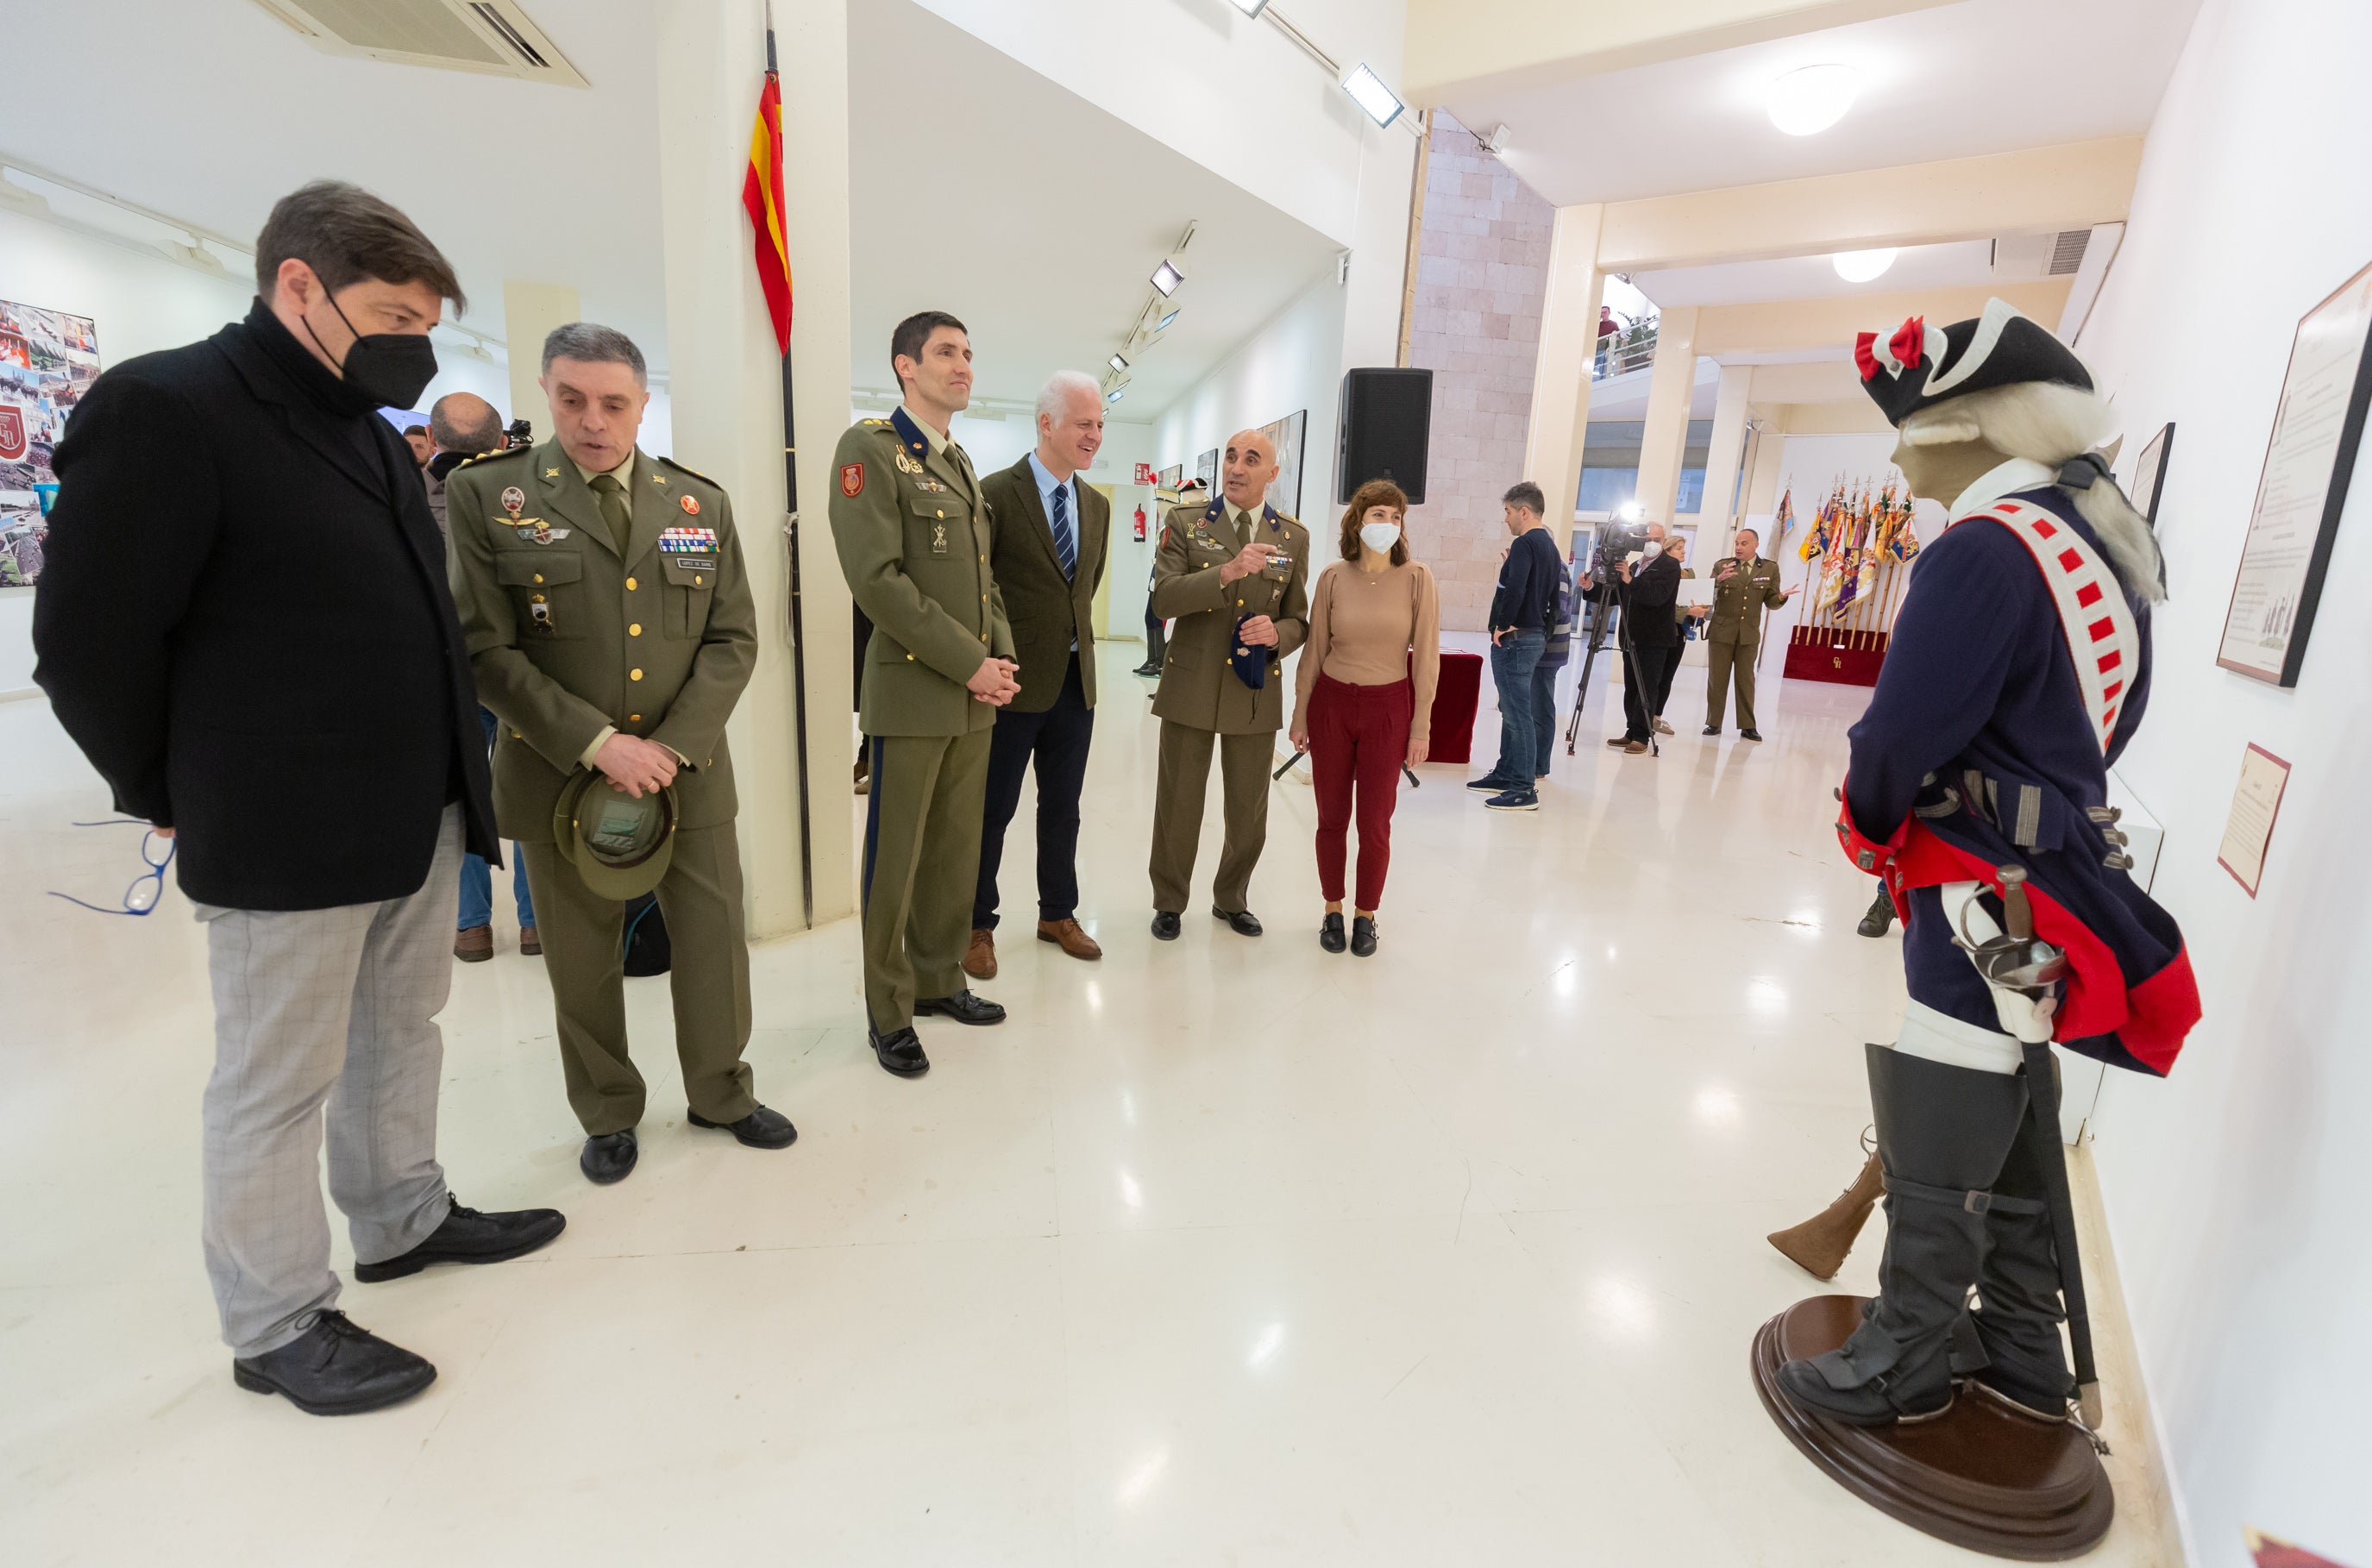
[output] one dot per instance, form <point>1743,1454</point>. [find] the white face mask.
<point>1652,549</point>
<point>1379,536</point>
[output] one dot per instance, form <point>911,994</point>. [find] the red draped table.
<point>1454,701</point>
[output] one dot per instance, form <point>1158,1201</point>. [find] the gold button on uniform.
<point>633,675</point>
<point>633,719</point>
<point>630,585</point>
<point>539,577</point>
<point>697,581</point>
<point>635,630</point>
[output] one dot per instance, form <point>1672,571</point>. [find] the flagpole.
<point>798,617</point>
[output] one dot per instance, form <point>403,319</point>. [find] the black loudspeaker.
<point>1387,430</point>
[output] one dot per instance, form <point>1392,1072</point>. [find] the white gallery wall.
<point>2240,1190</point>
<point>1293,363</point>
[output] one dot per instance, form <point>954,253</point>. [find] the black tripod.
<point>1615,597</point>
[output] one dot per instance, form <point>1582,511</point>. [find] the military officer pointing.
<point>915,541</point>
<point>1234,576</point>
<point>611,630</point>
<point>1744,586</point>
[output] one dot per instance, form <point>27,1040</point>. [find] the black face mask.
<point>389,369</point>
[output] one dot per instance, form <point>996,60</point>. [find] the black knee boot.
<point>1943,1132</point>
<point>2017,1313</point>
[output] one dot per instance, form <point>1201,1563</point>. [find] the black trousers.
<point>1156,637</point>
<point>1057,742</point>
<point>1671,668</point>
<point>1643,693</point>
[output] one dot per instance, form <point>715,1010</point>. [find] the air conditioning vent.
<point>2067,251</point>
<point>488,37</point>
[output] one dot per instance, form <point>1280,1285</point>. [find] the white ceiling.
<point>1962,262</point>
<point>1009,201</point>
<point>1955,81</point>
<point>1037,217</point>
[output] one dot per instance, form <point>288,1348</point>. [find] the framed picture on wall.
<point>1206,469</point>
<point>1170,478</point>
<point>2308,461</point>
<point>1285,490</point>
<point>2149,475</point>
<point>47,360</point>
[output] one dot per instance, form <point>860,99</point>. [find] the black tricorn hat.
<point>1919,365</point>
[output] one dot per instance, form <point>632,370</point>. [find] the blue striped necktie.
<point>1063,547</point>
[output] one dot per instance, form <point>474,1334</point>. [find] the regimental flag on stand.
<point>761,198</point>
<point>1784,520</point>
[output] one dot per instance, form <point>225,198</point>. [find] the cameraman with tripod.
<point>1651,634</point>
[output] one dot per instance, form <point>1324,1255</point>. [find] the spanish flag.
<point>761,198</point>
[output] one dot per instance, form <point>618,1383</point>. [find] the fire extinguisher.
<point>1140,524</point>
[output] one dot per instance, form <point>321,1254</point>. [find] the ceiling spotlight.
<point>1118,362</point>
<point>1115,395</point>
<point>1166,278</point>
<point>1807,101</point>
<point>1251,7</point>
<point>1367,90</point>
<point>1164,324</point>
<point>1860,266</point>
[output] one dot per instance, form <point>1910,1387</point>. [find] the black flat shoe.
<point>761,1129</point>
<point>1165,926</point>
<point>1243,923</point>
<point>964,1007</point>
<point>1712,729</point>
<point>1362,936</point>
<point>1329,933</point>
<point>1749,735</point>
<point>469,1237</point>
<point>609,1156</point>
<point>335,1368</point>
<point>901,1052</point>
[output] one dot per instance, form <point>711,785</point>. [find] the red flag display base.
<point>1842,658</point>
<point>1979,1476</point>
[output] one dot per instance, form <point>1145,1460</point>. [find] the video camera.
<point>520,434</point>
<point>1617,542</point>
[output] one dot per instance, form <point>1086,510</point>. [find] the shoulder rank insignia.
<point>695,473</point>
<point>494,456</point>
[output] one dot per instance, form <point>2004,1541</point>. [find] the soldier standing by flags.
<point>1978,785</point>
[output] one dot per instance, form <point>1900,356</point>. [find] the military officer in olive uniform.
<point>914,540</point>
<point>1744,586</point>
<point>612,628</point>
<point>1234,578</point>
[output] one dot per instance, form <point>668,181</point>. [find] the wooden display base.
<point>1979,1476</point>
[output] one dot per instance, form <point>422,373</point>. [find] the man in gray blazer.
<point>1052,535</point>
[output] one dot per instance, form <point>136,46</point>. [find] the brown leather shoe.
<point>1618,742</point>
<point>530,944</point>
<point>475,945</point>
<point>1066,935</point>
<point>1634,747</point>
<point>980,959</point>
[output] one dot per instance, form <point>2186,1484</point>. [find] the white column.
<point>1371,296</point>
<point>725,379</point>
<point>1560,418</point>
<point>530,311</point>
<point>1723,455</point>
<point>1670,387</point>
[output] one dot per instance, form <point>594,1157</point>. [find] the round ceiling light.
<point>1861,266</point>
<point>1807,101</point>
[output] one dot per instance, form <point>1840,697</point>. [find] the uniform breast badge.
<point>905,463</point>
<point>690,504</point>
<point>938,538</point>
<point>538,615</point>
<point>514,500</point>
<point>688,541</point>
<point>535,531</point>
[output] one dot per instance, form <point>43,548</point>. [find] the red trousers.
<point>1358,738</point>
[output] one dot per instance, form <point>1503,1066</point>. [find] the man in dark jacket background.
<point>1651,587</point>
<point>244,623</point>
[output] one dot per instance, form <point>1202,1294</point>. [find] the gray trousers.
<point>315,1006</point>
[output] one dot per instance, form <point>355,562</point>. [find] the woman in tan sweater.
<point>1363,704</point>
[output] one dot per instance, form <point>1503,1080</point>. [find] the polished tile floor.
<point>1220,1252</point>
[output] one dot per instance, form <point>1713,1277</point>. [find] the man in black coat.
<point>1652,586</point>
<point>245,625</point>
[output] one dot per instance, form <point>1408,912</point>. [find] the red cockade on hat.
<point>1864,358</point>
<point>1904,351</point>
<point>1910,342</point>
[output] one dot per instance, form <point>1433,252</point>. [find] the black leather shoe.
<point>609,1156</point>
<point>1362,936</point>
<point>1712,729</point>
<point>1329,932</point>
<point>1243,923</point>
<point>1749,735</point>
<point>469,1237</point>
<point>901,1052</point>
<point>1165,926</point>
<point>761,1129</point>
<point>964,1007</point>
<point>335,1368</point>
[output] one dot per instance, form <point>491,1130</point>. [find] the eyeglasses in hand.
<point>141,897</point>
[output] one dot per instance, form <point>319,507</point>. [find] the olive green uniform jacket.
<point>570,632</point>
<point>914,542</point>
<point>1740,595</point>
<point>1199,685</point>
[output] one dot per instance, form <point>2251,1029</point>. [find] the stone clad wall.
<point>1481,276</point>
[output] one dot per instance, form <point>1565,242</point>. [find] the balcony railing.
<point>1619,353</point>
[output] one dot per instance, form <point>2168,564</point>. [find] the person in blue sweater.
<point>1522,611</point>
